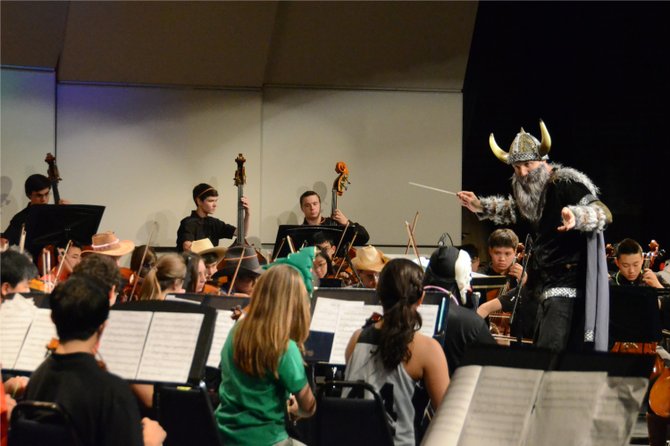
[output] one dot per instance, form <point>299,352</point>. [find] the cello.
<point>500,320</point>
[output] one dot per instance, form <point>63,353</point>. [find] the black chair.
<point>187,416</point>
<point>352,420</point>
<point>37,423</point>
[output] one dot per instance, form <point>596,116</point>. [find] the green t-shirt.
<point>251,411</point>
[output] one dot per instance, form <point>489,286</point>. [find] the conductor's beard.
<point>529,192</point>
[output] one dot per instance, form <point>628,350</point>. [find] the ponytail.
<point>399,288</point>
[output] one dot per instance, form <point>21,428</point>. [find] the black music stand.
<point>634,314</point>
<point>51,224</point>
<point>303,235</point>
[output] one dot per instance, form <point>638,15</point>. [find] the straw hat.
<point>205,246</point>
<point>369,258</point>
<point>108,243</point>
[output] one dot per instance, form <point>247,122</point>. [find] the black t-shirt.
<point>101,406</point>
<point>195,227</point>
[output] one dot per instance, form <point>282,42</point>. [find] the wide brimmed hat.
<point>248,257</point>
<point>369,258</point>
<point>205,246</point>
<point>107,243</point>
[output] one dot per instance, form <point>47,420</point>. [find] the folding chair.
<point>353,420</point>
<point>36,423</point>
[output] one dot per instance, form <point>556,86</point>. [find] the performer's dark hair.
<point>321,237</point>
<point>399,288</point>
<point>79,306</point>
<point>503,238</point>
<point>309,193</point>
<point>471,249</point>
<point>16,267</point>
<point>192,261</point>
<point>323,252</point>
<point>102,268</point>
<point>628,246</point>
<point>204,191</point>
<point>36,182</point>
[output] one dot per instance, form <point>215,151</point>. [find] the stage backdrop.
<point>140,150</point>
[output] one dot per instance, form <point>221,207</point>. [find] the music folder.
<point>303,235</point>
<point>556,399</point>
<point>634,313</point>
<point>158,341</point>
<point>338,312</point>
<point>56,224</point>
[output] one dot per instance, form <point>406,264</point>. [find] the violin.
<point>53,175</point>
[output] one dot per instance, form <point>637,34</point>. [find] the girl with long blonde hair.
<point>166,277</point>
<point>262,368</point>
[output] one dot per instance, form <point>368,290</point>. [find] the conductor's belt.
<point>568,293</point>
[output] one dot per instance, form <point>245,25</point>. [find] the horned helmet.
<point>525,147</point>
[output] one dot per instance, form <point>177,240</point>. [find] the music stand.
<point>304,235</point>
<point>634,314</point>
<point>51,224</point>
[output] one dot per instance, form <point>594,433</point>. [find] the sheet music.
<point>429,317</point>
<point>224,323</point>
<point>565,407</point>
<point>122,341</point>
<point>175,298</point>
<point>14,324</point>
<point>34,348</point>
<point>500,409</point>
<point>446,426</point>
<point>168,352</point>
<point>326,313</point>
<point>617,409</point>
<point>350,319</point>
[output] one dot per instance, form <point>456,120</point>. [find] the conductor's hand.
<point>339,217</point>
<point>469,200</point>
<point>569,220</point>
<point>152,432</point>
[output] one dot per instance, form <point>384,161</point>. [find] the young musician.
<point>630,262</point>
<point>99,404</point>
<point>37,188</point>
<point>16,270</point>
<point>323,267</point>
<point>392,355</point>
<point>167,277</point>
<point>568,220</point>
<point>200,225</point>
<point>310,204</point>
<point>448,273</point>
<point>264,377</point>
<point>502,247</point>
<point>69,261</point>
<point>369,262</point>
<point>196,273</point>
<point>244,260</point>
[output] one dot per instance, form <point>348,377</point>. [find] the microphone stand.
<point>517,298</point>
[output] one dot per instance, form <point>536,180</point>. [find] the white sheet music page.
<point>617,409</point>
<point>448,422</point>
<point>565,407</point>
<point>501,407</point>
<point>34,348</point>
<point>429,318</point>
<point>350,319</point>
<point>123,340</point>
<point>326,313</point>
<point>168,352</point>
<point>224,323</point>
<point>15,321</point>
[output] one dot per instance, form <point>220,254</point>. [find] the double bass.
<point>343,269</point>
